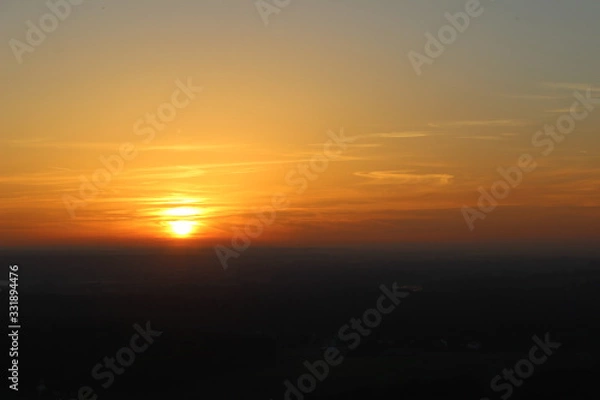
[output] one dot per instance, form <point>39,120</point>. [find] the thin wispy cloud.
<point>484,137</point>
<point>571,86</point>
<point>48,144</point>
<point>190,147</point>
<point>396,135</point>
<point>405,177</point>
<point>481,123</point>
<point>524,96</point>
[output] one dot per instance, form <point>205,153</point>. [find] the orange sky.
<point>270,99</point>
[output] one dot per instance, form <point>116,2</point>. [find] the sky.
<point>247,104</point>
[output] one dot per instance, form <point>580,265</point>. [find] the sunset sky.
<point>272,97</point>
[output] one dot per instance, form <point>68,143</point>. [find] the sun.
<point>182,228</point>
<point>182,221</point>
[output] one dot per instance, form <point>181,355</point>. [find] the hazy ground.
<point>241,333</point>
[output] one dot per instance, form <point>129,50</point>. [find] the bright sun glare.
<point>183,227</point>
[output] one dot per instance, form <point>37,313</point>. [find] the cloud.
<point>582,87</point>
<point>189,147</point>
<point>483,137</point>
<point>43,143</point>
<point>405,178</point>
<point>477,123</point>
<point>381,135</point>
<point>559,111</point>
<point>532,96</point>
<point>396,135</point>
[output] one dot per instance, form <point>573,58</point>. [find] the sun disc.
<point>182,228</point>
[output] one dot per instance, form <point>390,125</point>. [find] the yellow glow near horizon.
<point>183,212</point>
<point>150,159</point>
<point>186,225</point>
<point>182,228</point>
